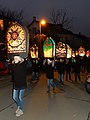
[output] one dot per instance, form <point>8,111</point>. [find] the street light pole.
<point>42,22</point>
<point>40,27</point>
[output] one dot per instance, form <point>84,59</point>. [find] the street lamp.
<point>42,23</point>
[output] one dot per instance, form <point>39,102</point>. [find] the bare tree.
<point>61,17</point>
<point>11,15</point>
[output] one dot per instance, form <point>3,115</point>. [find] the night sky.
<point>78,9</point>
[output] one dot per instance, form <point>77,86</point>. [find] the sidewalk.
<point>70,102</point>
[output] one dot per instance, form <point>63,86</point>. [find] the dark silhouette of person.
<point>77,68</point>
<point>49,67</point>
<point>61,70</point>
<point>68,68</point>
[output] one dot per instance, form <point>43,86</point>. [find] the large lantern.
<point>87,53</point>
<point>1,24</point>
<point>49,48</point>
<point>69,51</point>
<point>73,54</point>
<point>34,51</point>
<point>17,40</point>
<point>81,51</point>
<point>63,50</point>
<point>60,50</point>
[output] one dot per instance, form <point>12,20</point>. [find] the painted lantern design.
<point>49,48</point>
<point>63,50</point>
<point>60,50</point>
<point>81,51</point>
<point>34,51</point>
<point>69,51</point>
<point>16,39</point>
<point>1,24</point>
<point>87,53</point>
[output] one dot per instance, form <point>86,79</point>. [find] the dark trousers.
<point>68,75</point>
<point>77,75</point>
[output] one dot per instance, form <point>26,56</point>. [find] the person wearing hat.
<point>49,67</point>
<point>19,82</point>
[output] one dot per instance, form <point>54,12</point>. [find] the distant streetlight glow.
<point>42,22</point>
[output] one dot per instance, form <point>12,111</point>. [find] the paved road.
<point>68,102</point>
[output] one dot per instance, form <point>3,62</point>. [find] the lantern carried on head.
<point>81,51</point>
<point>61,50</point>
<point>34,51</point>
<point>49,48</point>
<point>88,53</point>
<point>17,40</point>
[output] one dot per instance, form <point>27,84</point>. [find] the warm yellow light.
<point>43,22</point>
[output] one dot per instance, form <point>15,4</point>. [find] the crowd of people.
<point>64,66</point>
<point>67,66</point>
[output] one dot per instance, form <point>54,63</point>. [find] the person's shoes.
<point>37,78</point>
<point>54,87</point>
<point>18,108</point>
<point>48,91</point>
<point>54,90</point>
<point>62,84</point>
<point>19,113</point>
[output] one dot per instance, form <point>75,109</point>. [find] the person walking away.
<point>18,67</point>
<point>77,69</point>
<point>49,66</point>
<point>35,70</point>
<point>68,68</point>
<point>61,70</point>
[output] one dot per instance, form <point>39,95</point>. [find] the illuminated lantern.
<point>63,50</point>
<point>17,40</point>
<point>34,51</point>
<point>76,53</point>
<point>73,54</point>
<point>69,52</point>
<point>60,50</point>
<point>87,53</point>
<point>1,24</point>
<point>81,51</point>
<point>49,48</point>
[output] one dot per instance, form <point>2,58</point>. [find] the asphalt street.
<point>68,102</point>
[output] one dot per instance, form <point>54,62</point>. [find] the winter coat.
<point>19,75</point>
<point>68,65</point>
<point>61,67</point>
<point>49,71</point>
<point>35,66</point>
<point>77,66</point>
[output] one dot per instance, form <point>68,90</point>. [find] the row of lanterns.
<point>18,41</point>
<point>60,50</point>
